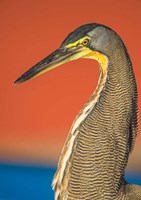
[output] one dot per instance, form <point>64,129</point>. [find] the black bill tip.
<point>26,76</point>
<point>32,72</point>
<point>19,80</point>
<point>37,68</point>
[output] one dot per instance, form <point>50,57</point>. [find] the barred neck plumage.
<point>95,154</point>
<point>68,147</point>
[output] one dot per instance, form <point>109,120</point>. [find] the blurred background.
<point>36,116</point>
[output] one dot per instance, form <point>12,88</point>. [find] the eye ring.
<point>85,42</point>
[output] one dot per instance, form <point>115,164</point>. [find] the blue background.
<point>19,182</point>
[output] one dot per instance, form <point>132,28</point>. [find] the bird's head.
<point>87,41</point>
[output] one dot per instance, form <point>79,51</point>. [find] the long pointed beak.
<point>58,57</point>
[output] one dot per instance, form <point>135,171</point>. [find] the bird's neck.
<point>108,125</point>
<point>88,107</point>
<point>96,151</point>
<point>104,126</point>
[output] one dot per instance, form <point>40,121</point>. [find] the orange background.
<point>36,116</point>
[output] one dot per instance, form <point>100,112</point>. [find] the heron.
<point>94,157</point>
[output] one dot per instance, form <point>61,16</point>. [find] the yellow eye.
<point>85,42</point>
